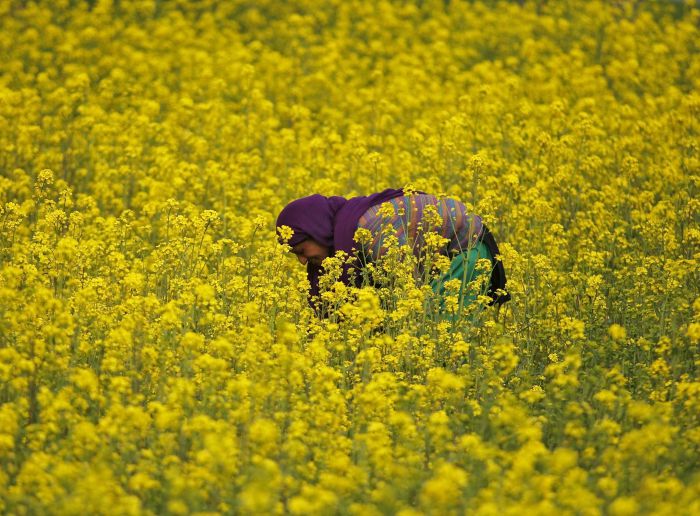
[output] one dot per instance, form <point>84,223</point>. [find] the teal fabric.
<point>463,267</point>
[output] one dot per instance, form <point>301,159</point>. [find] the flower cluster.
<point>157,351</point>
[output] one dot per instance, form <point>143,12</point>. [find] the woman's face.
<point>310,251</point>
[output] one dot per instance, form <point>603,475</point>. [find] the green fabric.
<point>462,267</point>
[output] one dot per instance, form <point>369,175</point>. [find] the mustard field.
<point>157,351</point>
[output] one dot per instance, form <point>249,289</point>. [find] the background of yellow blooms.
<point>157,355</point>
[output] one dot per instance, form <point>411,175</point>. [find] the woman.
<point>324,225</point>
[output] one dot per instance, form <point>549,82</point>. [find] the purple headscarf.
<point>330,221</point>
<point>311,217</point>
